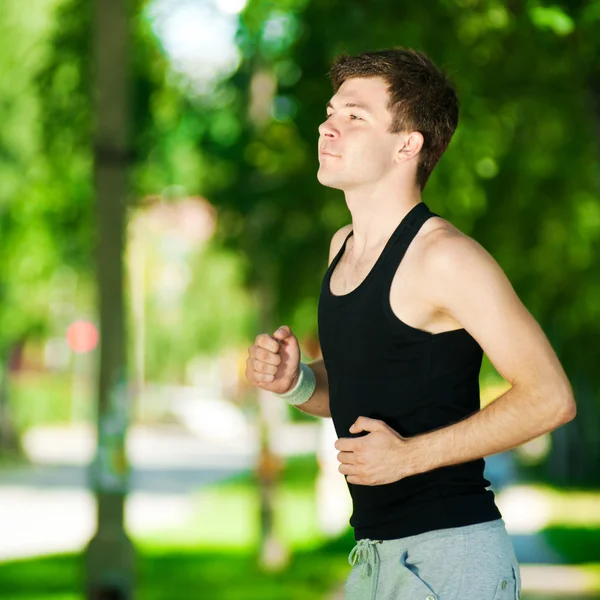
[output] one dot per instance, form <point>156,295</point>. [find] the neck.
<point>376,213</point>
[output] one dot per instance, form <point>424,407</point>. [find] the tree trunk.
<point>110,554</point>
<point>273,555</point>
<point>9,440</point>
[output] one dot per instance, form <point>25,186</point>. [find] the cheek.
<point>369,155</point>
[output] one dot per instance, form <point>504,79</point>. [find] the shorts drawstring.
<point>365,554</point>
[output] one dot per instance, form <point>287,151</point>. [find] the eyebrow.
<point>352,105</point>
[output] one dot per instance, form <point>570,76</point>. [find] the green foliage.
<point>28,255</point>
<point>520,176</point>
<point>507,178</point>
<point>212,312</point>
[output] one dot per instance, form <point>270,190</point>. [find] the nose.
<point>326,129</point>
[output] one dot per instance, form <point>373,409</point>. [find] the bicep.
<point>475,291</point>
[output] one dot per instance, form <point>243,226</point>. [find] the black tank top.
<point>413,380</point>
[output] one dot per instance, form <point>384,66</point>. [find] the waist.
<point>409,411</point>
<point>402,521</point>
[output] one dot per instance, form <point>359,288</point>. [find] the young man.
<point>408,305</point>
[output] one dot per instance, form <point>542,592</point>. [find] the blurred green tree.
<point>521,175</point>
<point>29,253</point>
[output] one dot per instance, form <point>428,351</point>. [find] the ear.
<point>410,147</point>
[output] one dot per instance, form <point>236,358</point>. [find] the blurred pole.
<point>110,554</point>
<point>273,554</point>
<point>9,442</point>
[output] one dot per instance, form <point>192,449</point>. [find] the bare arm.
<point>470,286</point>
<point>475,291</point>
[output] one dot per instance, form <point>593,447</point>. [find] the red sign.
<point>82,336</point>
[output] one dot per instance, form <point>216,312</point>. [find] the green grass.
<point>42,399</point>
<point>188,574</point>
<point>576,545</point>
<point>214,554</point>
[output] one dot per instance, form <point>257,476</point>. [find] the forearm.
<point>514,418</point>
<point>318,404</point>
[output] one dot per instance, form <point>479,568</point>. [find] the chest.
<point>405,286</point>
<point>349,275</point>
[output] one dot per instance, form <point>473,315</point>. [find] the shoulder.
<point>444,246</point>
<point>337,240</point>
<point>453,261</point>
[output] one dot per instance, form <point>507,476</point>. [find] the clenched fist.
<point>273,362</point>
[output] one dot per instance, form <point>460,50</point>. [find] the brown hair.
<point>422,98</point>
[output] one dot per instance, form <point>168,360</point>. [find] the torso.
<point>410,297</point>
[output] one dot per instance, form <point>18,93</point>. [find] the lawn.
<point>187,574</point>
<point>214,555</point>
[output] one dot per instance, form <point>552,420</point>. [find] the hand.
<point>382,456</point>
<point>273,362</point>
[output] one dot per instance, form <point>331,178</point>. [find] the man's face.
<point>355,146</point>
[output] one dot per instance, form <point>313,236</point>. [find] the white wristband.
<point>303,389</point>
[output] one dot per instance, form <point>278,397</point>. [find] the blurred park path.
<point>47,506</point>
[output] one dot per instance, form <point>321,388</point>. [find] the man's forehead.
<point>370,93</point>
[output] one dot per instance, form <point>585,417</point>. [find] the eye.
<point>355,118</point>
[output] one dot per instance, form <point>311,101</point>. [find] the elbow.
<point>567,408</point>
<point>569,411</point>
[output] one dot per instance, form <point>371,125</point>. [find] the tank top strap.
<point>338,256</point>
<point>402,238</point>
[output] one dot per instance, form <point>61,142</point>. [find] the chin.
<point>329,180</point>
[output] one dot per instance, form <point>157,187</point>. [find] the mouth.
<point>329,154</point>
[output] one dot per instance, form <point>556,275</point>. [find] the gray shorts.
<point>474,562</point>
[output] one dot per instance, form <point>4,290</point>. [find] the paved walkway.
<point>48,508</point>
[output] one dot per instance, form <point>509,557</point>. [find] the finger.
<point>267,342</point>
<point>262,367</point>
<point>283,333</point>
<point>348,458</point>
<point>355,479</point>
<point>347,469</point>
<point>366,424</point>
<point>259,378</point>
<point>264,355</point>
<point>348,444</point>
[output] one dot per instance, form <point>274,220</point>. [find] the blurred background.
<point>159,208</point>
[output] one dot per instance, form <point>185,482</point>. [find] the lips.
<point>323,153</point>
